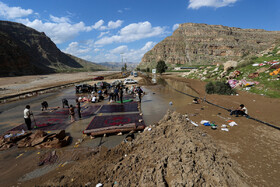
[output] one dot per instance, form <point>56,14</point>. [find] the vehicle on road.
<point>84,88</point>
<point>130,81</point>
<point>102,85</point>
<point>98,78</point>
<point>135,74</point>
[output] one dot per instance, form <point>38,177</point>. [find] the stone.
<point>194,43</point>
<point>229,65</point>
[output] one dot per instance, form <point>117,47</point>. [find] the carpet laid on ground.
<point>56,120</point>
<point>46,123</point>
<point>114,120</point>
<point>125,107</point>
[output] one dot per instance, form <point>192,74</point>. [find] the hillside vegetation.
<point>256,69</point>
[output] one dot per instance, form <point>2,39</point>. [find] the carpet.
<point>114,120</point>
<point>125,107</point>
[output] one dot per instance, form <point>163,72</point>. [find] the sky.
<point>124,30</point>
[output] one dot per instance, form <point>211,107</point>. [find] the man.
<point>121,94</point>
<point>78,105</point>
<point>26,115</point>
<point>65,103</point>
<point>44,105</point>
<point>139,92</point>
<point>93,100</point>
<point>242,110</point>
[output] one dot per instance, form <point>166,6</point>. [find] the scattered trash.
<point>224,126</point>
<point>170,103</point>
<point>119,134</point>
<point>224,129</point>
<point>232,124</point>
<point>88,184</point>
<point>99,185</point>
<point>19,155</point>
<point>203,121</point>
<point>195,124</point>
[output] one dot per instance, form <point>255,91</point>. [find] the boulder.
<point>229,65</point>
<point>261,70</point>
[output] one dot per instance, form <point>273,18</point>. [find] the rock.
<point>229,65</point>
<point>261,70</point>
<point>202,43</point>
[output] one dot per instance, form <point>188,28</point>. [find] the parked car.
<point>130,81</point>
<point>83,88</point>
<point>102,85</point>
<point>98,78</point>
<point>117,82</point>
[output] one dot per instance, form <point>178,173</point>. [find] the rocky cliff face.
<point>195,43</point>
<point>25,51</point>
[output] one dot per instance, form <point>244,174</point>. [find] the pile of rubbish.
<point>37,139</point>
<point>239,83</point>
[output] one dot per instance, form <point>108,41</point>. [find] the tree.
<point>147,69</point>
<point>161,66</point>
<point>125,66</point>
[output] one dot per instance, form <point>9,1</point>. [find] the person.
<point>139,91</point>
<point>26,115</point>
<point>242,110</point>
<point>44,105</point>
<point>195,101</point>
<point>78,105</point>
<point>72,113</point>
<point>65,103</point>
<point>95,88</point>
<point>116,94</point>
<point>121,94</point>
<point>93,100</point>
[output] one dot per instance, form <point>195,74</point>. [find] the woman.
<point>72,113</point>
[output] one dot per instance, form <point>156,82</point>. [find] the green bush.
<point>219,88</point>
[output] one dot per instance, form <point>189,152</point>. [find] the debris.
<point>99,185</point>
<point>224,129</point>
<point>195,124</point>
<point>170,103</point>
<point>232,124</point>
<point>19,155</point>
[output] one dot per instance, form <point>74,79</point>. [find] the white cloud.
<point>120,49</point>
<point>13,12</point>
<point>133,32</point>
<point>111,25</point>
<point>76,49</point>
<point>175,26</point>
<point>59,20</point>
<point>59,32</point>
<point>196,4</point>
<point>98,24</point>
<point>103,33</point>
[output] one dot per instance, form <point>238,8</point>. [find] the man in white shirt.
<point>242,110</point>
<point>93,100</point>
<point>26,115</point>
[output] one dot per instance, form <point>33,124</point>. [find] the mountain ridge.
<point>197,43</point>
<point>25,51</point>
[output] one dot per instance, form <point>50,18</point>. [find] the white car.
<point>130,81</point>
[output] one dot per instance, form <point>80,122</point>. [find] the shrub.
<point>219,88</point>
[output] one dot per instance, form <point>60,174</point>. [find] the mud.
<point>173,153</point>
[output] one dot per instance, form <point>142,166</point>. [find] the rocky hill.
<point>25,51</point>
<point>195,43</point>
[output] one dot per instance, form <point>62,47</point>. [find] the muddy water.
<point>163,96</point>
